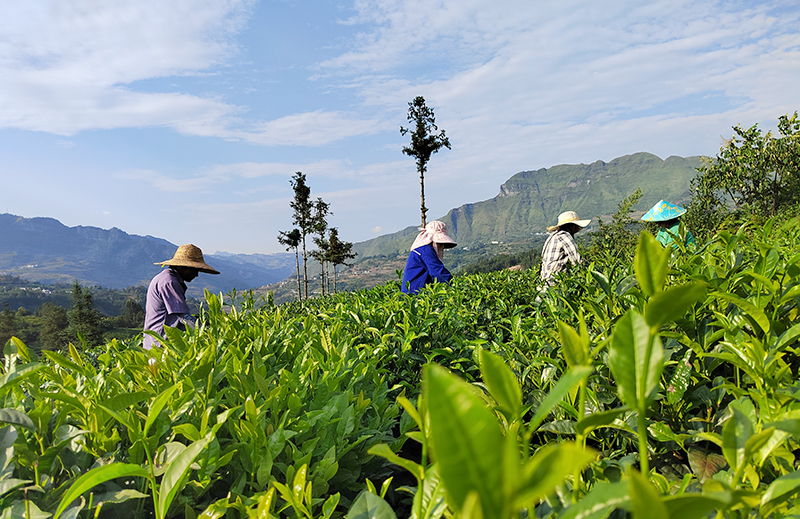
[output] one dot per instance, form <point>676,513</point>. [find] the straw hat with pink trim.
<point>189,256</point>
<point>569,217</point>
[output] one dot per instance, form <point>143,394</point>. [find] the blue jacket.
<point>423,266</point>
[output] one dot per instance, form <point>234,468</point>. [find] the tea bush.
<point>663,386</point>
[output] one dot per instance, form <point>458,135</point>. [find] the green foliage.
<point>84,319</point>
<point>662,386</point>
<point>757,172</point>
<point>617,240</point>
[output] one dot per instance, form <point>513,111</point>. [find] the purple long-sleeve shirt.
<point>166,303</point>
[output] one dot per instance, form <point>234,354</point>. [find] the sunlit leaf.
<point>95,477</point>
<point>467,441</point>
<point>502,383</point>
<point>651,261</point>
<point>384,451</point>
<point>600,501</point>
<point>173,479</point>
<point>597,420</point>
<point>735,434</point>
<point>549,467</point>
<point>756,314</point>
<point>636,358</point>
<point>672,304</point>
<point>576,351</point>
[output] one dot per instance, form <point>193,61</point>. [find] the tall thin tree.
<point>303,217</point>
<point>291,240</point>
<point>338,252</point>
<point>321,211</point>
<point>424,142</point>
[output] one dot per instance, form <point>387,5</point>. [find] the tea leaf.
<point>549,467</point>
<point>576,350</point>
<point>735,434</point>
<point>502,383</point>
<point>172,482</point>
<point>691,506</point>
<point>600,501</point>
<point>636,359</point>
<point>671,304</point>
<point>597,420</point>
<point>369,506</point>
<point>14,417</point>
<point>705,464</point>
<point>651,261</point>
<point>645,498</point>
<point>95,477</point>
<point>467,440</point>
<point>567,381</point>
<point>756,314</point>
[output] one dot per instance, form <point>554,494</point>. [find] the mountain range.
<point>531,200</point>
<point>45,250</point>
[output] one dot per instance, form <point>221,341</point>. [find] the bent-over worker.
<point>166,295</point>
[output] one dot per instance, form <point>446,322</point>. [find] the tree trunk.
<point>334,279</point>
<point>297,266</point>
<point>322,277</point>
<point>305,268</point>
<point>422,207</point>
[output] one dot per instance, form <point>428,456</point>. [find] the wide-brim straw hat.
<point>569,217</point>
<point>663,211</point>
<point>189,256</point>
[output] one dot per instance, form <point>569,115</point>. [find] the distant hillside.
<point>45,250</point>
<point>531,200</point>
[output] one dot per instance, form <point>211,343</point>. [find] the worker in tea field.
<point>424,263</point>
<point>560,251</point>
<point>667,216</point>
<point>166,295</point>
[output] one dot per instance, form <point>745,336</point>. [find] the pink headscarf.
<point>434,232</point>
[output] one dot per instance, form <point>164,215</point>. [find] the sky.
<point>186,119</point>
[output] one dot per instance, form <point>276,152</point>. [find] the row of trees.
<point>310,216</point>
<point>310,219</point>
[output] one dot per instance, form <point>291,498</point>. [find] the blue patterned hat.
<point>663,211</point>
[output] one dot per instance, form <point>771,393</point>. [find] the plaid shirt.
<point>559,250</point>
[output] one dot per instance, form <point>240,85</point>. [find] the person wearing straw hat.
<point>166,295</point>
<point>560,250</point>
<point>424,263</point>
<point>667,216</point>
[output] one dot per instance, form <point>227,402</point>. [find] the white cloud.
<point>72,66</point>
<point>316,128</point>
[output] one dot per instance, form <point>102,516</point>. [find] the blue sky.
<point>186,119</point>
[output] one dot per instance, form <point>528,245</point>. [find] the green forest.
<point>48,317</point>
<point>651,382</point>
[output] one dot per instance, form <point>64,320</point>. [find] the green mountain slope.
<point>531,200</point>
